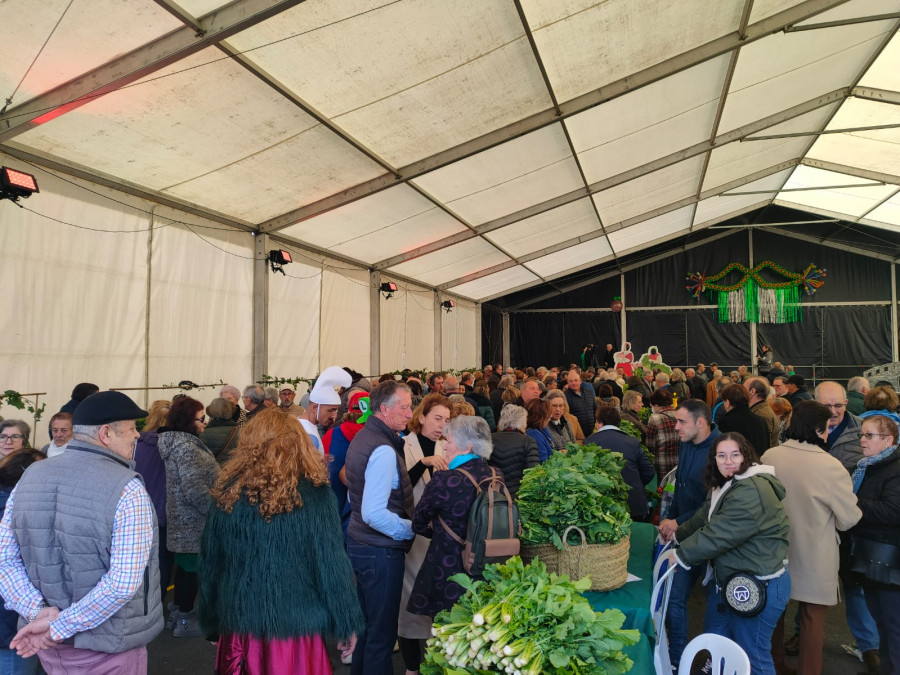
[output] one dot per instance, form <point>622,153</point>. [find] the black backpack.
<point>492,535</point>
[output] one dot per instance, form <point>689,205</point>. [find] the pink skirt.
<point>248,655</point>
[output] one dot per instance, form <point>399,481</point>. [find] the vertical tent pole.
<point>147,313</point>
<point>753,337</point>
<point>374,322</point>
<point>478,362</point>
<point>622,313</point>
<point>894,353</point>
<point>260,306</point>
<point>438,337</point>
<point>505,336</point>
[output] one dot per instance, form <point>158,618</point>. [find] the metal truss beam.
<point>149,58</point>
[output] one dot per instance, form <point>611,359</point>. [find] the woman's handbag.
<point>744,594</point>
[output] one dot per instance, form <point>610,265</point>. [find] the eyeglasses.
<point>11,437</point>
<point>200,419</point>
<point>868,436</point>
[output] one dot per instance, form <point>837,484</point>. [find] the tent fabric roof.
<point>478,147</point>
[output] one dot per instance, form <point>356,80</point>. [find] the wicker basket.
<point>606,564</point>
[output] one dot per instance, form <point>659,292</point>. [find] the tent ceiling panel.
<point>199,8</point>
<point>158,133</point>
<point>649,123</point>
<point>79,44</point>
<point>499,282</point>
<point>736,159</point>
<point>852,201</point>
<point>464,70</point>
<point>875,150</point>
<point>884,73</point>
<point>649,192</point>
<point>715,207</point>
<point>546,229</point>
<point>888,213</point>
<point>765,8</point>
<point>518,174</point>
<point>377,227</point>
<point>577,62</point>
<point>561,261</point>
<point>786,69</point>
<point>452,262</point>
<point>645,233</point>
<point>852,10</point>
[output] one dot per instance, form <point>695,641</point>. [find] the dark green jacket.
<point>855,403</point>
<point>285,578</point>
<point>216,433</point>
<point>748,530</point>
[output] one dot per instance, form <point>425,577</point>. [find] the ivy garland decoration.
<point>753,298</point>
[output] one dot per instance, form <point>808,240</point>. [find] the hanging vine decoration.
<point>752,298</point>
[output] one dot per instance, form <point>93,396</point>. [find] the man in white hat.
<point>286,394</point>
<point>324,402</point>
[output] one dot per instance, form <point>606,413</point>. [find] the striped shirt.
<point>132,539</point>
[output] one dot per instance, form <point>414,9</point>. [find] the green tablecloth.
<point>633,599</point>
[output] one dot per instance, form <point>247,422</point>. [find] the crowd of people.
<point>338,519</point>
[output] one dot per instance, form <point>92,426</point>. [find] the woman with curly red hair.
<point>274,577</point>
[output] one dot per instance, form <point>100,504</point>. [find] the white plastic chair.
<point>659,603</point>
<point>727,656</point>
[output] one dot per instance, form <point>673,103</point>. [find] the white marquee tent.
<point>464,150</point>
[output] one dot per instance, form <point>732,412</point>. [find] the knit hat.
<point>105,407</point>
<point>359,405</point>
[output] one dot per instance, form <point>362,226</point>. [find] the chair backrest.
<point>659,603</point>
<point>727,656</point>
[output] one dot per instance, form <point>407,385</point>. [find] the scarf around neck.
<point>860,472</point>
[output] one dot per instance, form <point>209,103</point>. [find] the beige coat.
<point>415,625</point>
<point>819,502</point>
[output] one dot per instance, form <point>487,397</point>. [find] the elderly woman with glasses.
<point>448,498</point>
<point>191,471</point>
<point>875,541</point>
<point>14,435</point>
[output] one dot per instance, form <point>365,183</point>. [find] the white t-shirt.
<point>313,432</point>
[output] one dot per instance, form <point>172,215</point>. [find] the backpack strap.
<point>455,537</point>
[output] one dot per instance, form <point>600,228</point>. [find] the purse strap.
<point>227,441</point>
<point>455,537</point>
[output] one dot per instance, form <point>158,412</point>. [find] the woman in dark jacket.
<point>536,427</point>
<point>514,451</point>
<point>449,495</point>
<point>222,433</point>
<point>270,606</point>
<point>149,463</point>
<point>191,471</point>
<point>632,404</point>
<point>11,469</point>
<point>478,399</point>
<point>875,548</point>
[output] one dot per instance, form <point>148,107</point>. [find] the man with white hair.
<point>451,385</point>
<point>78,549</point>
<point>254,399</point>
<point>857,388</point>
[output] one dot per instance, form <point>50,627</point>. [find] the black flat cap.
<point>105,407</point>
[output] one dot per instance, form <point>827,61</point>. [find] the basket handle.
<point>565,536</point>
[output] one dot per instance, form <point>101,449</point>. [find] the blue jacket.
<point>544,443</point>
<point>690,483</point>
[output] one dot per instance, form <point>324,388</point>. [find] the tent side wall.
<point>108,288</point>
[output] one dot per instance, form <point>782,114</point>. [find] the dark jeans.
<point>884,606</point>
<point>379,581</point>
<point>166,562</point>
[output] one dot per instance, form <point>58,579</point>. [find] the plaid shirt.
<point>129,553</point>
<point>663,441</point>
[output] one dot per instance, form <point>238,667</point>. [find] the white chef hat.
<point>323,391</point>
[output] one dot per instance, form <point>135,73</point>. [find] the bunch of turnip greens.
<point>582,486</point>
<point>523,621</point>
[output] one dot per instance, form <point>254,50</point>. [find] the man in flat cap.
<point>286,394</point>
<point>78,549</point>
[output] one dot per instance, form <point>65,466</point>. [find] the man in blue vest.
<point>78,549</point>
<point>380,531</point>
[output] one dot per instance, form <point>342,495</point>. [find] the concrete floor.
<point>190,656</point>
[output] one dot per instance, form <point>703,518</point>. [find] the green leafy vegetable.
<point>582,487</point>
<point>521,619</point>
